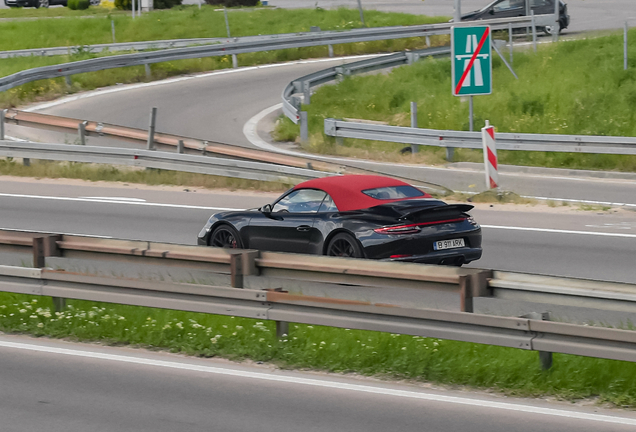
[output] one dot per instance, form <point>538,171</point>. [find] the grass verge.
<point>574,87</point>
<point>153,177</point>
<point>391,356</point>
<point>189,22</point>
<point>56,12</point>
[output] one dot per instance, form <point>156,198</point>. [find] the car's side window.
<point>300,201</point>
<point>508,4</point>
<point>327,205</point>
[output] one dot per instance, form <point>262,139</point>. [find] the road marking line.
<point>57,232</point>
<point>322,383</point>
<point>103,201</point>
<point>558,231</point>
<point>115,199</point>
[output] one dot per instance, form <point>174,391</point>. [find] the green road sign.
<point>472,61</point>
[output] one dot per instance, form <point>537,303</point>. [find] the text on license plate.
<point>449,244</point>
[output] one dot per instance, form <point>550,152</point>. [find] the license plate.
<point>449,244</point>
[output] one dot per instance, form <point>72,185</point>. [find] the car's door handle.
<point>303,228</point>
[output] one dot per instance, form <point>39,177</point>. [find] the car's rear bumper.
<point>450,257</point>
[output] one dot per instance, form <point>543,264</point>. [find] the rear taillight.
<point>414,228</point>
<point>471,220</point>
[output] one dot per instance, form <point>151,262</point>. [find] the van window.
<point>507,5</point>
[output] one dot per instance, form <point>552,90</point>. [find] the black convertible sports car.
<point>361,216</point>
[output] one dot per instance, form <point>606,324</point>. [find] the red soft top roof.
<point>346,190</point>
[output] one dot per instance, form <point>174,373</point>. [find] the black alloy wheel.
<point>225,237</point>
<point>343,245</point>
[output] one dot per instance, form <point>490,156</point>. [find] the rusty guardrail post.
<point>81,129</point>
<point>151,129</point>
<point>474,285</point>
<point>46,246</point>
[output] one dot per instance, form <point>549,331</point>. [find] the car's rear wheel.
<point>42,4</point>
<point>344,245</point>
<point>225,236</point>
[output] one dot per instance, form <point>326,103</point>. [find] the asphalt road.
<point>55,386</point>
<point>558,242</point>
<point>216,107</point>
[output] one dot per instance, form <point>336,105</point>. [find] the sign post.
<point>471,54</point>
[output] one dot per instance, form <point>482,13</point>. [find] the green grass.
<point>391,356</point>
<point>153,177</point>
<point>190,22</point>
<point>575,87</point>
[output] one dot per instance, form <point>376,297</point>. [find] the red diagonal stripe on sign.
<point>491,158</point>
<point>491,132</point>
<point>472,60</point>
<point>493,185</point>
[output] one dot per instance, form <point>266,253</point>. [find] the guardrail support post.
<point>81,128</point>
<point>234,61</point>
<point>180,147</point>
<point>510,41</point>
<point>465,294</point>
<point>151,129</point>
<point>414,148</point>
<point>330,47</point>
<point>282,328</point>
<point>534,33</point>
<point>68,81</point>
<point>147,70</point>
<point>361,13</point>
<point>304,127</point>
<point>544,357</point>
<point>46,246</point>
<point>3,115</point>
<point>236,270</point>
<point>625,45</point>
<point>428,41</point>
<point>307,92</point>
<point>112,30</point>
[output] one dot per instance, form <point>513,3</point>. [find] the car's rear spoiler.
<point>461,208</point>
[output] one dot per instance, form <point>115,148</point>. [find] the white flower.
<point>22,310</point>
<point>213,340</point>
<point>40,325</point>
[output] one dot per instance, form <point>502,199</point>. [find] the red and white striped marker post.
<point>490,156</point>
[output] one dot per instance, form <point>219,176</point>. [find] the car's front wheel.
<point>42,4</point>
<point>344,245</point>
<point>225,236</point>
<point>548,30</point>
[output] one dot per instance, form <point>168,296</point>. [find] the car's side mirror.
<point>491,11</point>
<point>267,208</point>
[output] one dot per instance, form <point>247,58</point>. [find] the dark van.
<point>515,8</point>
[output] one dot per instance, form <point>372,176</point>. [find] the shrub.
<point>232,3</point>
<point>78,4</point>
<point>122,4</point>
<point>166,4</point>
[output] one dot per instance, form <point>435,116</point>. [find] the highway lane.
<point>58,386</point>
<point>554,241</point>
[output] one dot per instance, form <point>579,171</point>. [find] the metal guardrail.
<point>291,104</point>
<point>276,42</point>
<point>64,252</point>
<point>204,147</point>
<point>159,160</point>
<point>473,140</point>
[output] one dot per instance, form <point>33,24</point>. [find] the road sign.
<point>472,61</point>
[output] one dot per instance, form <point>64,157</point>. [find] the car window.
<point>328,205</point>
<point>393,192</point>
<point>300,201</point>
<point>539,3</point>
<point>506,5</point>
